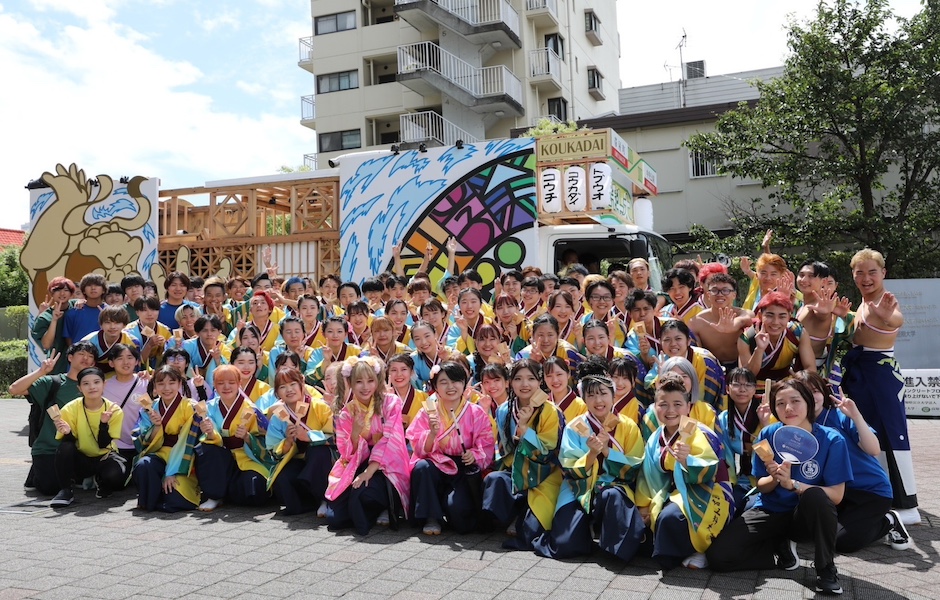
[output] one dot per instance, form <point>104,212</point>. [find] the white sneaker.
<point>382,519</point>
<point>898,537</point>
<point>210,505</point>
<point>88,483</point>
<point>909,516</point>
<point>321,512</point>
<point>695,561</point>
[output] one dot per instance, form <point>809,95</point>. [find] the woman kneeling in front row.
<point>796,501</point>
<point>453,443</point>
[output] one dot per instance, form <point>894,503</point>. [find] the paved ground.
<point>101,549</point>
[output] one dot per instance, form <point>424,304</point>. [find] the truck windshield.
<point>601,255</point>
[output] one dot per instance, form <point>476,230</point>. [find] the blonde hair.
<point>592,278</point>
<point>867,254</point>
<point>771,260</point>
<point>364,368</point>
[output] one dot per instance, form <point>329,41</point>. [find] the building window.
<point>591,22</point>
<point>592,28</point>
<point>340,140</point>
<point>595,79</point>
<point>556,43</point>
<point>699,166</point>
<point>337,82</point>
<point>558,108</point>
<point>333,23</point>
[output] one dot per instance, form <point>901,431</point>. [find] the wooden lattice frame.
<point>314,206</point>
<point>328,257</point>
<point>229,223</point>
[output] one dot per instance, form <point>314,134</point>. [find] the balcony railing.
<point>430,126</point>
<point>551,118</point>
<point>306,49</point>
<point>544,62</point>
<point>479,12</point>
<point>551,5</point>
<point>310,160</point>
<point>543,9</point>
<point>308,108</point>
<point>478,81</point>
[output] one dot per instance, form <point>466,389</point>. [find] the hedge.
<point>13,363</point>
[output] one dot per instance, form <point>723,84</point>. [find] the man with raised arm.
<point>873,378</point>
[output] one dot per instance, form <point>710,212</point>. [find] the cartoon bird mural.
<point>85,232</point>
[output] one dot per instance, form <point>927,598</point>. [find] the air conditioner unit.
<point>694,69</point>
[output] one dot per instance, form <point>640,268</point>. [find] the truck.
<point>506,203</point>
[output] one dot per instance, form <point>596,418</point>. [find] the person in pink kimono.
<point>453,443</point>
<point>370,482</point>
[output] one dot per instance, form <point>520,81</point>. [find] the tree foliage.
<point>14,285</point>
<point>846,143</point>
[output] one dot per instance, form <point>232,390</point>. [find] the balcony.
<point>479,21</point>
<point>305,60</point>
<point>310,161</point>
<point>428,69</point>
<point>543,13</point>
<point>308,111</point>
<point>545,70</point>
<point>432,129</point>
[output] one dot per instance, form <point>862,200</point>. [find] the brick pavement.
<point>100,549</point>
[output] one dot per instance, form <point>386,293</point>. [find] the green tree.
<point>14,285</point>
<point>846,142</point>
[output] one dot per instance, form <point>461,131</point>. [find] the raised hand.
<point>746,266</point>
<point>451,245</point>
<point>847,406</point>
<point>46,366</point>
<point>842,307</point>
<point>765,243</point>
<point>762,339</point>
<point>45,304</point>
<point>764,414</point>
<point>198,379</point>
<point>787,282</point>
<point>106,416</point>
<point>884,308</point>
<point>725,322</point>
<point>824,305</point>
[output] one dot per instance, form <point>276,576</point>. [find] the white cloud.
<point>94,95</point>
<point>89,10</point>
<point>255,89</point>
<point>217,20</point>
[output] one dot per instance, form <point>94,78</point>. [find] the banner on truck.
<point>483,195</point>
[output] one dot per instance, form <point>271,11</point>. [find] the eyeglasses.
<point>170,359</point>
<point>742,386</point>
<point>720,291</point>
<point>600,298</point>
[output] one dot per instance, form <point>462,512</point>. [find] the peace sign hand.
<point>48,365</point>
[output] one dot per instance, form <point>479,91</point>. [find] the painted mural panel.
<point>483,195</point>
<point>81,225</point>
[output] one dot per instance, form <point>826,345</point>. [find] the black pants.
<point>301,484</point>
<point>71,465</point>
<point>862,520</point>
<point>439,496</point>
<point>221,479</point>
<point>43,475</point>
<point>750,541</point>
<point>360,507</point>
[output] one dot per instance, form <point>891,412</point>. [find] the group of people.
<point>573,411</point>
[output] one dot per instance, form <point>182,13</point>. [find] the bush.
<point>13,363</point>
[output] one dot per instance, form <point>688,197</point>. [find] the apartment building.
<point>657,119</point>
<point>411,72</point>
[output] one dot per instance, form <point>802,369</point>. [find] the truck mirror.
<point>639,248</point>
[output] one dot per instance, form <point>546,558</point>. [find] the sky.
<point>201,90</point>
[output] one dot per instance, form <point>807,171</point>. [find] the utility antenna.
<point>682,81</point>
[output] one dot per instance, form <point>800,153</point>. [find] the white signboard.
<point>922,392</point>
<point>917,346</point>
